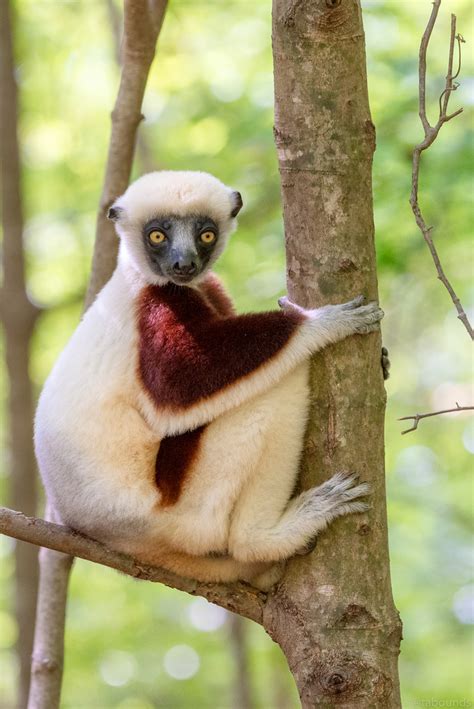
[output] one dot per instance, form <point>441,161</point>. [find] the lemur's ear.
<point>114,213</point>
<point>236,202</point>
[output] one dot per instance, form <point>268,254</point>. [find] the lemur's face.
<point>180,248</point>
<point>174,225</point>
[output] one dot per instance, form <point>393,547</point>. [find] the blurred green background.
<point>208,106</point>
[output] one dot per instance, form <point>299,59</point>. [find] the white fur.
<point>170,193</point>
<point>97,432</point>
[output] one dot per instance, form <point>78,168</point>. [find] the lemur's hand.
<point>354,317</point>
<point>357,316</point>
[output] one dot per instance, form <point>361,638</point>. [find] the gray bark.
<point>18,318</point>
<point>333,614</point>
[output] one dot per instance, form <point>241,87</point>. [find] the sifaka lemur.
<point>170,427</point>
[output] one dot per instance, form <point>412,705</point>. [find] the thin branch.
<point>239,598</point>
<point>142,24</point>
<point>430,135</point>
<point>417,417</point>
<point>422,64</point>
<point>144,152</point>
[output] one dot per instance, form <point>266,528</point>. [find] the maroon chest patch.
<point>189,350</point>
<point>191,345</point>
<point>173,463</point>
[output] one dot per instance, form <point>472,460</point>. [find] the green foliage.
<point>209,106</point>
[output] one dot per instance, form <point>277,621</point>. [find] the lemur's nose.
<point>184,269</point>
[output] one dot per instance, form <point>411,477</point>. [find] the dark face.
<point>180,248</point>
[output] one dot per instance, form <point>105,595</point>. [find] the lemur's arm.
<point>197,365</point>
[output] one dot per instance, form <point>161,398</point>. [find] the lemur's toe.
<point>386,364</point>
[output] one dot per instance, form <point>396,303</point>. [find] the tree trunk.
<point>333,614</point>
<point>18,318</point>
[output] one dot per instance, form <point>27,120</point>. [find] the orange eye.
<point>156,237</point>
<point>207,237</point>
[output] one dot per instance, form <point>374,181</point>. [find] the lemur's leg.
<point>262,532</point>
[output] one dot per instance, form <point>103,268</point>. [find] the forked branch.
<point>416,418</point>
<point>431,133</point>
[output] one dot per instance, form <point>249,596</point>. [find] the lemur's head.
<point>174,225</point>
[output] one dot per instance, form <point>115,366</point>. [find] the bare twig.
<point>239,597</point>
<point>417,417</point>
<point>431,133</point>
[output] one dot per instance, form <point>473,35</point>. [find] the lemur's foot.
<point>385,361</point>
<point>336,497</point>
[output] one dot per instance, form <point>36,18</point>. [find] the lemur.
<point>170,427</point>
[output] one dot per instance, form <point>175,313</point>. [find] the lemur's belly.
<point>229,453</point>
<point>101,475</point>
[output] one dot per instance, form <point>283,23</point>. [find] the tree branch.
<point>143,149</point>
<point>142,24</point>
<point>417,417</point>
<point>239,598</point>
<point>431,133</point>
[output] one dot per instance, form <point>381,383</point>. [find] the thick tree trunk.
<point>333,615</point>
<point>18,317</point>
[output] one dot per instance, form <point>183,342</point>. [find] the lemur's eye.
<point>156,237</point>
<point>207,237</point>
